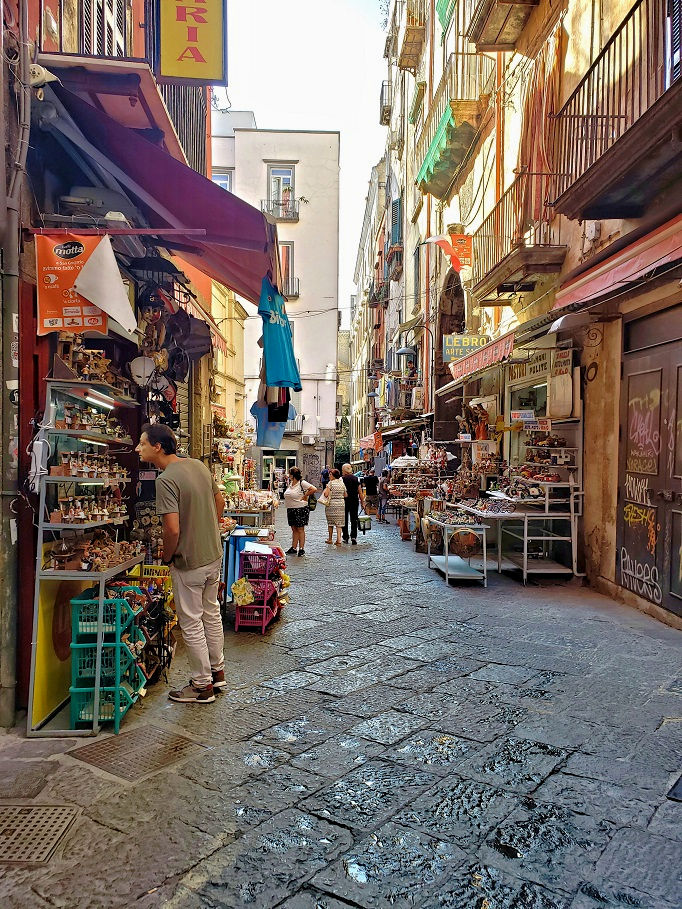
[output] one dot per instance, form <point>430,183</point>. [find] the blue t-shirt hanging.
<point>269,435</point>
<point>281,370</point>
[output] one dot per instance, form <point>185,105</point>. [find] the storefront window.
<point>531,397</point>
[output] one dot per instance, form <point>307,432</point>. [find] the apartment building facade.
<point>293,176</point>
<point>537,140</point>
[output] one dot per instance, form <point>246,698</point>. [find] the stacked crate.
<point>119,678</point>
<point>263,574</point>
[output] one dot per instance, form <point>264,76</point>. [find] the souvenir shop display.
<point>255,507</point>
<point>148,529</point>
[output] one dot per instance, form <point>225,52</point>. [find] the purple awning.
<point>240,246</point>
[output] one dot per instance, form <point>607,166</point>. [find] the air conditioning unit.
<point>308,440</point>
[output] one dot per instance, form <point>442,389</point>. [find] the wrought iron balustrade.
<point>467,77</point>
<point>523,218</point>
<point>637,66</point>
<point>286,209</point>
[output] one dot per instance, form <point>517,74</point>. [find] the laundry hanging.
<point>281,369</point>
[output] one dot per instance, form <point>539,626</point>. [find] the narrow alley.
<point>388,742</point>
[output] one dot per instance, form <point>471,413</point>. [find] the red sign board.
<point>486,356</point>
<point>462,245</point>
<point>59,259</point>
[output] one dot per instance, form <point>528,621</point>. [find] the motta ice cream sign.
<point>192,41</point>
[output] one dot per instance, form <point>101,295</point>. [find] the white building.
<point>294,177</point>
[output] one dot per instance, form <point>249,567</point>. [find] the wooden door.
<point>650,481</point>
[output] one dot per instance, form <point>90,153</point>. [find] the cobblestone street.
<point>389,742</point>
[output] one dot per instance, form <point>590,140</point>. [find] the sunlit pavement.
<point>388,742</point>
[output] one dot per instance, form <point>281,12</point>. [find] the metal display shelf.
<point>90,436</point>
<point>48,725</point>
<point>78,390</point>
<point>91,525</point>
<point>56,574</point>
<point>455,567</point>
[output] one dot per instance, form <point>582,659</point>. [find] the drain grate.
<point>137,753</point>
<point>31,833</point>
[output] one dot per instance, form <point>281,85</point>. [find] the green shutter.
<point>444,10</point>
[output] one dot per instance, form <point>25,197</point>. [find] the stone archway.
<point>451,319</point>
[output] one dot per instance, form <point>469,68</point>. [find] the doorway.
<point>649,527</point>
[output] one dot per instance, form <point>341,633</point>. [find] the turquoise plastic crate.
<point>116,659</point>
<point>85,611</point>
<point>114,701</point>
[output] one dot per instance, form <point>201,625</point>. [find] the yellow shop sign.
<point>192,41</point>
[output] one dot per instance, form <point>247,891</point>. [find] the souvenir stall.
<point>521,469</point>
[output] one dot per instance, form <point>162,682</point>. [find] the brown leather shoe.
<point>190,694</point>
<point>219,679</point>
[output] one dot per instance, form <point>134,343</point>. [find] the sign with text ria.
<point>192,41</point>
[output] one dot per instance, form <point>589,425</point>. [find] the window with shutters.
<point>675,38</point>
<point>103,28</point>
<point>396,222</point>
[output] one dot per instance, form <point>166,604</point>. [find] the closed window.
<point>222,177</point>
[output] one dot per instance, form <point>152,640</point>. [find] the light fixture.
<point>404,352</point>
<point>372,394</point>
<point>109,403</point>
<point>541,385</point>
<point>92,442</point>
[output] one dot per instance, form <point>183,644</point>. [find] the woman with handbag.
<point>296,498</point>
<point>333,500</point>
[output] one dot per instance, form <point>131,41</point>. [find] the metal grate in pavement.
<point>31,833</point>
<point>132,755</point>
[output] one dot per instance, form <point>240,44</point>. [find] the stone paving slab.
<point>392,866</point>
<point>391,741</point>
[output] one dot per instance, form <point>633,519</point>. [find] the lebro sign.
<point>192,41</point>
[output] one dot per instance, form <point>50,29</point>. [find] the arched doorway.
<point>451,319</point>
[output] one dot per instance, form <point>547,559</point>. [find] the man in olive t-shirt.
<point>189,501</point>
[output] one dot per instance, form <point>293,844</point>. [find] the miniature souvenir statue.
<point>482,417</point>
<point>153,326</point>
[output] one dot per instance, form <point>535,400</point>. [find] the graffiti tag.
<point>637,489</point>
<point>640,578</point>
<point>638,464</point>
<point>639,516</point>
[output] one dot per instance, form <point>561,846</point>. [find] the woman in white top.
<point>296,500</point>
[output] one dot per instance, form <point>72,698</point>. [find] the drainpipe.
<point>427,295</point>
<point>9,378</point>
<point>499,145</point>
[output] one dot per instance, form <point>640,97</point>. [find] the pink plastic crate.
<point>255,615</point>
<point>263,590</point>
<point>257,565</point>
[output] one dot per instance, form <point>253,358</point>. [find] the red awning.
<point>240,246</point>
<point>631,264</point>
<point>491,353</point>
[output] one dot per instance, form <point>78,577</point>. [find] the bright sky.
<point>315,64</point>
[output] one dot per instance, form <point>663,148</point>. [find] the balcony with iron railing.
<point>284,209</point>
<point>385,103</point>
<point>453,120</point>
<point>292,427</point>
<point>496,25</point>
<point>290,287</point>
<point>520,240</point>
<point>413,35</point>
<point>618,134</point>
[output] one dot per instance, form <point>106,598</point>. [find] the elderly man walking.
<point>354,495</point>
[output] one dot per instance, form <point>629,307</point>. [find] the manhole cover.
<point>134,754</point>
<point>30,833</point>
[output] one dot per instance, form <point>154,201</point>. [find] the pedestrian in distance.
<point>324,476</point>
<point>370,484</point>
<point>383,497</point>
<point>335,493</point>
<point>190,505</point>
<point>355,495</point>
<point>296,497</point>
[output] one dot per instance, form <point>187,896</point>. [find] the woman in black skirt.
<point>296,500</point>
